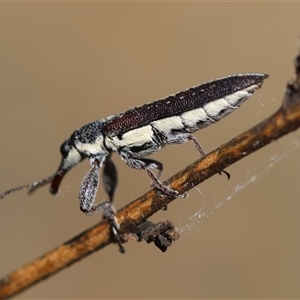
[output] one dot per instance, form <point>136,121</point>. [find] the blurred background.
<point>63,65</point>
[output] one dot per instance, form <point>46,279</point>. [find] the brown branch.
<point>285,120</point>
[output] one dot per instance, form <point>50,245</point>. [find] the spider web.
<point>253,174</point>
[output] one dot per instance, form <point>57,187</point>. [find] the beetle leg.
<point>88,191</point>
<point>110,215</point>
<point>110,177</point>
<point>148,164</point>
<point>198,146</point>
<point>89,187</point>
<point>153,164</point>
<point>202,152</point>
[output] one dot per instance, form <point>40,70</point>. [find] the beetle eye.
<point>64,149</point>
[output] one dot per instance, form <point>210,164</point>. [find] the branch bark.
<point>285,120</point>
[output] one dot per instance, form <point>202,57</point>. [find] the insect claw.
<point>110,215</point>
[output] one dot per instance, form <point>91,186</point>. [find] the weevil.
<point>144,130</point>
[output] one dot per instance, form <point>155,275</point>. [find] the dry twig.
<point>285,120</point>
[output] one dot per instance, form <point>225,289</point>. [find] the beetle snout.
<point>70,158</point>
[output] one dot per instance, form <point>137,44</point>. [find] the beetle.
<point>144,130</point>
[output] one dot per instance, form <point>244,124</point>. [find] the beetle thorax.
<point>88,140</point>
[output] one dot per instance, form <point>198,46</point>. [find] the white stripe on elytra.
<point>218,109</point>
<point>240,97</point>
<point>136,137</point>
<point>167,124</point>
<point>196,119</point>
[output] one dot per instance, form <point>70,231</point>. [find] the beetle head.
<point>70,158</point>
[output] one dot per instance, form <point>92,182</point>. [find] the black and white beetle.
<point>144,130</point>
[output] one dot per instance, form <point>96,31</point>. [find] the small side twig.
<point>285,120</point>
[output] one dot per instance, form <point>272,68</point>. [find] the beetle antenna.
<point>32,186</point>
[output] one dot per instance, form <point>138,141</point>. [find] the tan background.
<point>63,65</point>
